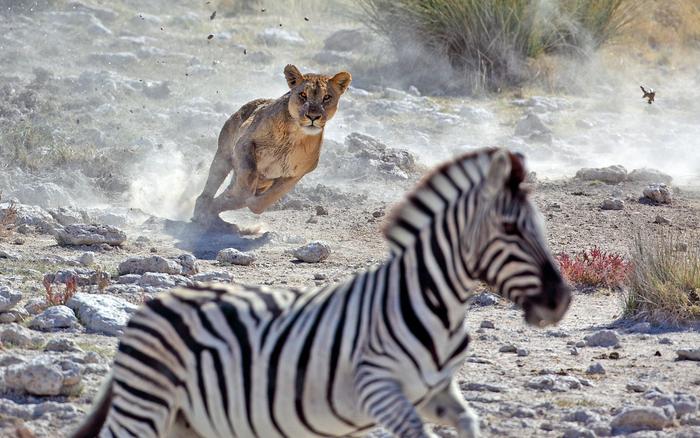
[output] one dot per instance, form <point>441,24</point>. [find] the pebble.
<point>612,204</point>
<point>596,368</point>
<point>232,256</point>
<point>314,252</point>
<point>666,341</point>
<point>603,338</point>
<point>487,324</point>
<point>321,211</point>
<point>522,352</point>
<point>662,220</point>
<point>508,348</point>
<point>87,258</point>
<point>637,386</point>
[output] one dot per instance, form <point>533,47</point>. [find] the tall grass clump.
<point>488,42</point>
<point>664,285</point>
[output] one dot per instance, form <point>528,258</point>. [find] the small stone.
<point>484,299</point>
<point>188,264</point>
<point>662,220</point>
<point>634,419</point>
<point>15,334</point>
<point>614,355</point>
<point>681,247</point>
<point>641,327</point>
<point>688,354</point>
<point>62,345</point>
<point>603,338</point>
<point>83,234</point>
<point>522,352</point>
<point>377,214</point>
<point>613,204</point>
<point>578,432</point>
<point>596,368</point>
<point>659,193</point>
<point>508,348</point>
<point>580,344</point>
<point>218,276</point>
<point>487,324</point>
<point>53,318</point>
<point>87,258</point>
<point>574,351</point>
<point>313,252</point>
<point>129,279</point>
<point>36,305</point>
<point>141,265</point>
<point>637,386</point>
<point>666,341</point>
<point>320,276</point>
<point>232,256</point>
<point>321,211</point>
<point>610,175</point>
<point>312,220</point>
<point>92,357</point>
<point>8,298</point>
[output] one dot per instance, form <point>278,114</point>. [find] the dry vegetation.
<point>56,297</point>
<point>664,285</point>
<point>594,268</point>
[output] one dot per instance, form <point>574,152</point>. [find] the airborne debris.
<point>210,36</point>
<point>648,95</point>
<point>306,18</point>
<point>213,15</point>
<point>245,51</point>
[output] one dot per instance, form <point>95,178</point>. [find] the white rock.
<point>8,298</point>
<point>188,264</point>
<point>595,368</point>
<point>603,338</point>
<point>140,265</point>
<point>313,252</point>
<point>649,176</point>
<point>87,258</point>
<point>84,234</point>
<point>53,318</point>
<point>44,375</point>
<point>612,204</point>
<point>15,334</point>
<point>62,345</point>
<point>659,193</point>
<point>688,354</point>
<point>102,313</point>
<point>553,382</point>
<point>232,256</point>
<point>218,276</point>
<point>634,419</point>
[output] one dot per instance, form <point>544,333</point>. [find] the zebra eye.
<point>510,228</point>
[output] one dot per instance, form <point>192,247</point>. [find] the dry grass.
<point>58,297</point>
<point>8,220</point>
<point>666,24</point>
<point>489,42</point>
<point>664,285</point>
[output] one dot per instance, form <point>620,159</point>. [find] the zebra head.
<point>507,246</point>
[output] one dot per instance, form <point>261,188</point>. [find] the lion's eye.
<point>327,97</point>
<point>302,95</point>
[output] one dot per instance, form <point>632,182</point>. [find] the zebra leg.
<point>449,407</point>
<point>383,400</point>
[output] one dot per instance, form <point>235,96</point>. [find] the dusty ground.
<point>116,107</point>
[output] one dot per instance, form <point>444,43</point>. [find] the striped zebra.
<point>380,349</point>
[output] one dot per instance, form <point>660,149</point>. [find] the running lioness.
<point>270,144</point>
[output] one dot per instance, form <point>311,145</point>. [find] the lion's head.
<point>314,98</point>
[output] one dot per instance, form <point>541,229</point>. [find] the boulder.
<point>44,375</point>
<point>20,336</point>
<point>609,175</point>
<point>688,354</point>
<point>232,256</point>
<point>104,314</point>
<point>54,318</point>
<point>84,234</point>
<point>140,265</point>
<point>634,419</point>
<point>647,175</point>
<point>82,276</point>
<point>659,193</point>
<point>313,252</point>
<point>8,298</point>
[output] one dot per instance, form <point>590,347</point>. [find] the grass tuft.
<point>664,285</point>
<point>594,268</point>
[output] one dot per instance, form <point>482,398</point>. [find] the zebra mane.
<point>443,186</point>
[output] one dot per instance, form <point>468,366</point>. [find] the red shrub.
<point>56,297</point>
<point>595,268</point>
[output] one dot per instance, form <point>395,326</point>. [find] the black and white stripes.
<point>380,349</point>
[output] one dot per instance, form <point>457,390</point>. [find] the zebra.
<point>380,349</point>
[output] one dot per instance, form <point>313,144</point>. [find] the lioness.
<point>270,144</point>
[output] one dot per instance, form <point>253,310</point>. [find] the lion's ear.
<point>342,81</point>
<point>293,75</point>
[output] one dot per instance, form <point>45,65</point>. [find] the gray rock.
<point>218,276</point>
<point>612,204</point>
<point>9,255</point>
<point>634,419</point>
<point>553,382</point>
<point>36,305</point>
<point>484,299</point>
<point>163,281</point>
<point>18,314</point>
<point>69,216</point>
<point>487,324</point>
<point>610,175</point>
<point>666,341</point>
<point>29,215</point>
<point>44,375</point>
<point>578,432</point>
<point>232,256</point>
<point>15,334</point>
<point>649,176</point>
<point>688,354</point>
<point>531,124</point>
<point>44,194</point>
<point>595,368</point>
<point>54,318</point>
<point>582,416</point>
<point>8,298</point>
<point>313,252</point>
<point>603,338</point>
<point>659,193</point>
<point>508,348</point>
<point>346,40</point>
<point>274,36</point>
<point>129,279</point>
<point>62,345</point>
<point>188,263</point>
<point>87,258</point>
<point>522,352</point>
<point>662,220</point>
<point>637,386</point>
<point>82,276</point>
<point>140,265</point>
<point>682,403</point>
<point>102,313</point>
<point>83,234</point>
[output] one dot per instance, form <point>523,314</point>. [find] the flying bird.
<point>648,95</point>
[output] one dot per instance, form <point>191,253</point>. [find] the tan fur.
<point>270,145</point>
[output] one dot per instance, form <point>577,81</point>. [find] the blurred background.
<point>119,103</point>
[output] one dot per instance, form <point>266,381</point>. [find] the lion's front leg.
<point>279,188</point>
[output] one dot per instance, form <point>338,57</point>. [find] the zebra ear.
<point>498,174</point>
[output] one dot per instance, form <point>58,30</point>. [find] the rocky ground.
<point>109,113</point>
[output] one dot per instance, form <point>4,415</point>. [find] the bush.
<point>594,268</point>
<point>664,285</point>
<point>488,42</point>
